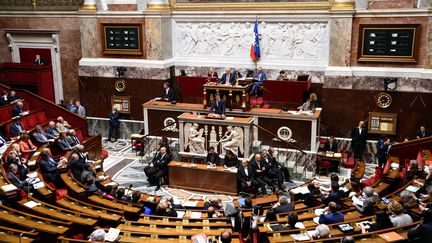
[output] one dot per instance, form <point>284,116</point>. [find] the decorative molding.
<point>249,6</point>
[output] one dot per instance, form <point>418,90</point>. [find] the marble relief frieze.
<point>286,41</point>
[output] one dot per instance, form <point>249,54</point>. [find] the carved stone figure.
<point>194,138</point>
<point>233,140</point>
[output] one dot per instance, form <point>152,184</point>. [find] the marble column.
<point>361,4</point>
<point>89,36</point>
<point>340,38</point>
<point>158,37</point>
<point>89,5</point>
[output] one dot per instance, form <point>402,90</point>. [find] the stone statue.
<point>233,140</point>
<point>194,138</point>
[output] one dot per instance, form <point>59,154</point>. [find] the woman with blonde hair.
<point>399,217</point>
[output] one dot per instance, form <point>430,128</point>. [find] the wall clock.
<point>120,85</point>
<point>384,100</point>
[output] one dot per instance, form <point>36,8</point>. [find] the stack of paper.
<point>31,163</point>
<point>112,235</point>
<point>357,201</point>
<point>319,211</point>
<point>180,214</point>
<point>31,204</point>
<point>32,175</point>
<point>300,237</point>
<point>195,215</point>
<point>38,185</point>
<point>8,187</point>
<point>412,189</point>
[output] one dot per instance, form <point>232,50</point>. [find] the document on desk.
<point>31,204</point>
<point>8,187</point>
<point>357,201</point>
<point>195,215</point>
<point>190,203</point>
<point>180,214</point>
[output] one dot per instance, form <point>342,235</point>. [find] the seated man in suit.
<point>13,98</point>
<point>15,179</point>
<point>168,94</point>
<point>271,154</point>
<point>16,128</point>
<point>212,157</point>
<point>62,125</point>
<point>245,178</point>
<point>51,131</point>
<point>158,168</point>
<point>218,106</point>
<point>369,199</point>
<point>335,195</point>
<point>275,170</point>
<point>63,143</point>
<point>19,110</point>
<point>41,137</point>
<point>77,166</point>
<point>282,206</point>
<point>228,78</point>
<point>260,168</point>
<point>73,137</point>
<point>331,145</point>
<point>259,78</point>
<point>330,215</point>
<point>423,132</point>
<point>50,167</point>
<point>82,154</point>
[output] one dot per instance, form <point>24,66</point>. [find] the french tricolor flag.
<point>255,52</point>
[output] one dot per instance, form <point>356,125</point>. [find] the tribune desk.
<point>236,97</point>
<point>201,178</point>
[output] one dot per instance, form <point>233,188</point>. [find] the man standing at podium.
<point>259,78</point>
<point>227,78</point>
<point>217,106</point>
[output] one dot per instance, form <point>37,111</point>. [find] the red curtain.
<point>27,55</point>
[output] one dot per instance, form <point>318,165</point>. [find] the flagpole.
<point>256,60</point>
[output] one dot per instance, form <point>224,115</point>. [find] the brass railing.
<point>40,5</point>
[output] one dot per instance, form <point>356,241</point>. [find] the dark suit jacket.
<point>357,138</point>
<point>231,162</point>
<point>170,95</point>
<point>75,140</point>
<point>51,132</point>
<point>421,234</point>
<point>242,177</point>
<point>284,208</point>
<point>40,61</point>
<point>15,129</point>
<point>255,167</point>
<point>162,162</point>
<point>50,171</point>
<point>15,180</point>
<point>218,108</point>
<point>114,118</point>
<point>333,148</point>
<point>222,80</point>
<point>213,158</point>
<point>331,218</point>
<point>13,98</point>
<point>64,145</point>
<point>420,134</point>
<point>16,111</point>
<point>333,197</point>
<point>77,166</point>
<point>41,137</point>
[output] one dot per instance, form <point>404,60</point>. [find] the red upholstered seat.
<point>30,120</point>
<point>348,162</point>
<point>40,117</point>
<point>324,164</point>
<point>266,106</point>
<point>60,193</point>
<point>104,153</point>
<point>4,115</point>
<point>7,128</point>
<point>79,135</point>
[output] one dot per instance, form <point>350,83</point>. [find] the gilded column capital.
<point>342,5</point>
<point>89,5</point>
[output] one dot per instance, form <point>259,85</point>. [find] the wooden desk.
<point>236,97</point>
<point>201,178</point>
<point>305,128</point>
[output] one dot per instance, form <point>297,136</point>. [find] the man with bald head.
<point>245,178</point>
<point>228,78</point>
<point>52,131</point>
<point>260,169</point>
